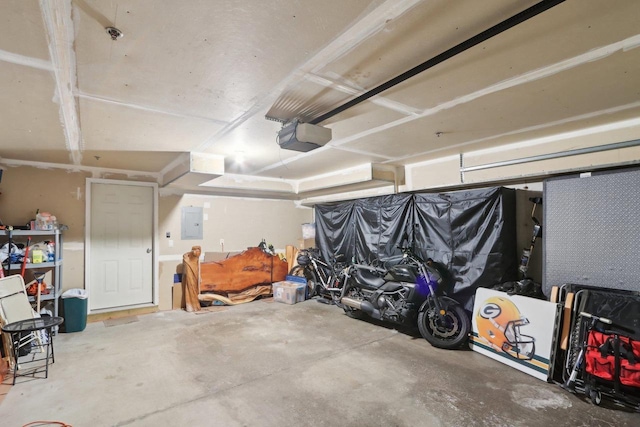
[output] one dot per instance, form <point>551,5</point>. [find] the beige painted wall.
<point>26,189</point>
<point>240,222</point>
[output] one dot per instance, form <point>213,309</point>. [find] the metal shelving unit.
<point>56,265</point>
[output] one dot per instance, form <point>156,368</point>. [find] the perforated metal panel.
<point>592,230</point>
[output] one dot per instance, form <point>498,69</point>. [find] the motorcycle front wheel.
<point>449,332</point>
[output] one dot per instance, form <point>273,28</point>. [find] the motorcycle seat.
<point>369,278</point>
<point>391,287</point>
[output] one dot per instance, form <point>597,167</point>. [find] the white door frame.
<point>154,237</point>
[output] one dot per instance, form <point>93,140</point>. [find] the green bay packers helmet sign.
<point>514,330</point>
<point>499,323</point>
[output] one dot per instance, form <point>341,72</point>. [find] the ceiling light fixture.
<point>114,33</point>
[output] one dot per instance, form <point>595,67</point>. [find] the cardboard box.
<point>178,296</point>
<point>309,231</point>
<point>288,292</point>
<point>166,290</point>
<point>306,243</point>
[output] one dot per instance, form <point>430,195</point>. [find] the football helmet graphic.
<point>499,322</point>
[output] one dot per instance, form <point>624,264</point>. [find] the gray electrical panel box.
<point>192,219</point>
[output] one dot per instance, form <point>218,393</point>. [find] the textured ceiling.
<point>201,76</point>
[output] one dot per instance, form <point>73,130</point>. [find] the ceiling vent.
<point>303,137</point>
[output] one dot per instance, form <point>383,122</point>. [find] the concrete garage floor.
<point>271,364</point>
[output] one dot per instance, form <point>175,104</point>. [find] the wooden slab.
<point>239,298</point>
<point>241,272</point>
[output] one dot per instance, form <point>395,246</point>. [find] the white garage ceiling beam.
<point>60,32</point>
<point>192,169</point>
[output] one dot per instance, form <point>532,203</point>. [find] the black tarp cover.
<point>471,232</point>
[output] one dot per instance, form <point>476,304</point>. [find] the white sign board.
<point>515,330</point>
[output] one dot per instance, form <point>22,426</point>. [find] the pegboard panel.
<point>591,230</point>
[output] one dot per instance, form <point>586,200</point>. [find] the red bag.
<point>630,373</point>
<point>600,358</point>
<point>629,362</point>
<point>598,364</point>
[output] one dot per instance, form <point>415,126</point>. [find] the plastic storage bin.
<point>288,292</point>
<point>74,310</point>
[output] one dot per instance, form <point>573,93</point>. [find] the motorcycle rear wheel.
<point>449,334</point>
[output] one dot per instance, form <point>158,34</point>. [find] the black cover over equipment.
<point>471,232</point>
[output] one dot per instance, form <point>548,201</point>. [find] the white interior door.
<point>120,245</point>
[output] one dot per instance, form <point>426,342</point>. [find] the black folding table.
<point>23,333</point>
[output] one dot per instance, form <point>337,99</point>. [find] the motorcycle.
<point>324,278</point>
<point>412,291</point>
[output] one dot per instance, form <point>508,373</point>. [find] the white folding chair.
<point>15,306</point>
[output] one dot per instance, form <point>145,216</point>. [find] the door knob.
<point>148,250</point>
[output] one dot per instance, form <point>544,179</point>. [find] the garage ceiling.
<point>197,79</point>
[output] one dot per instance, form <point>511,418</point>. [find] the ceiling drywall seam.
<point>578,118</point>
<point>91,97</point>
<point>357,33</point>
<point>78,168</point>
<point>60,32</point>
<point>27,61</point>
<point>352,37</point>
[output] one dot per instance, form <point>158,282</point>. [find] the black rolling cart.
<point>608,365</point>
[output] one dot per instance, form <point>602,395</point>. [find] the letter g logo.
<point>490,310</point>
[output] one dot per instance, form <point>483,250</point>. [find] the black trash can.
<point>74,310</point>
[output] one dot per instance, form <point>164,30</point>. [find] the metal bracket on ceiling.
<point>275,119</point>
